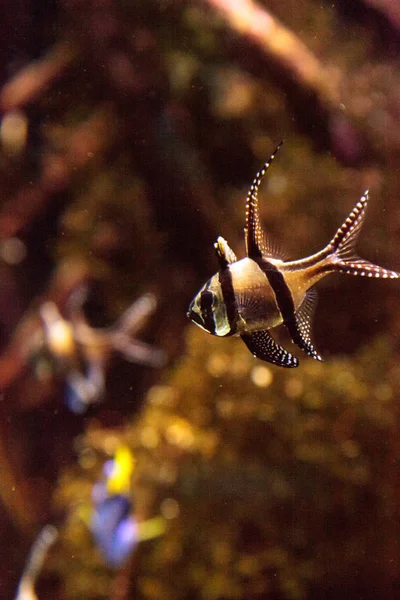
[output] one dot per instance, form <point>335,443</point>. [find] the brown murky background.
<point>130,132</point>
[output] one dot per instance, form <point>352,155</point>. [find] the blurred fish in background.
<point>80,352</point>
<point>113,524</point>
<point>37,556</point>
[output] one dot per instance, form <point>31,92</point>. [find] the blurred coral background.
<point>130,132</point>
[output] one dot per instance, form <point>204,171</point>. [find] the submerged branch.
<point>30,82</point>
<point>87,139</point>
<point>281,44</point>
<point>389,8</point>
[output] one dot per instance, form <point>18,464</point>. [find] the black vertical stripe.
<point>228,294</point>
<point>283,295</point>
<point>284,300</point>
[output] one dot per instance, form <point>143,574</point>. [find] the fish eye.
<point>207,300</point>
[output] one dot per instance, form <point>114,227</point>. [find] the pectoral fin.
<point>264,347</point>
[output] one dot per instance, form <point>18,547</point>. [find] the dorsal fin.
<point>225,254</point>
<point>264,347</point>
<point>257,245</point>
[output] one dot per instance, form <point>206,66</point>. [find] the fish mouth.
<point>189,313</point>
<point>193,315</point>
<point>197,320</point>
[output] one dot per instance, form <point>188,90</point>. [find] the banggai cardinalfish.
<point>247,297</point>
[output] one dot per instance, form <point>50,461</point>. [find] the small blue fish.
<point>113,524</point>
<point>250,296</point>
<point>114,528</point>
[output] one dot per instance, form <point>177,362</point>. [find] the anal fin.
<point>264,347</point>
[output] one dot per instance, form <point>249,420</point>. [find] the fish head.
<point>207,309</point>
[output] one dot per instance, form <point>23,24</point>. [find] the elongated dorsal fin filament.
<point>256,245</point>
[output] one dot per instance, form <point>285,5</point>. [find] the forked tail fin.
<point>342,247</point>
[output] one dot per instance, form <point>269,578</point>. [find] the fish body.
<point>254,301</point>
<point>248,297</point>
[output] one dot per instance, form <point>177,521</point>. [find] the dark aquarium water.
<point>141,457</point>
